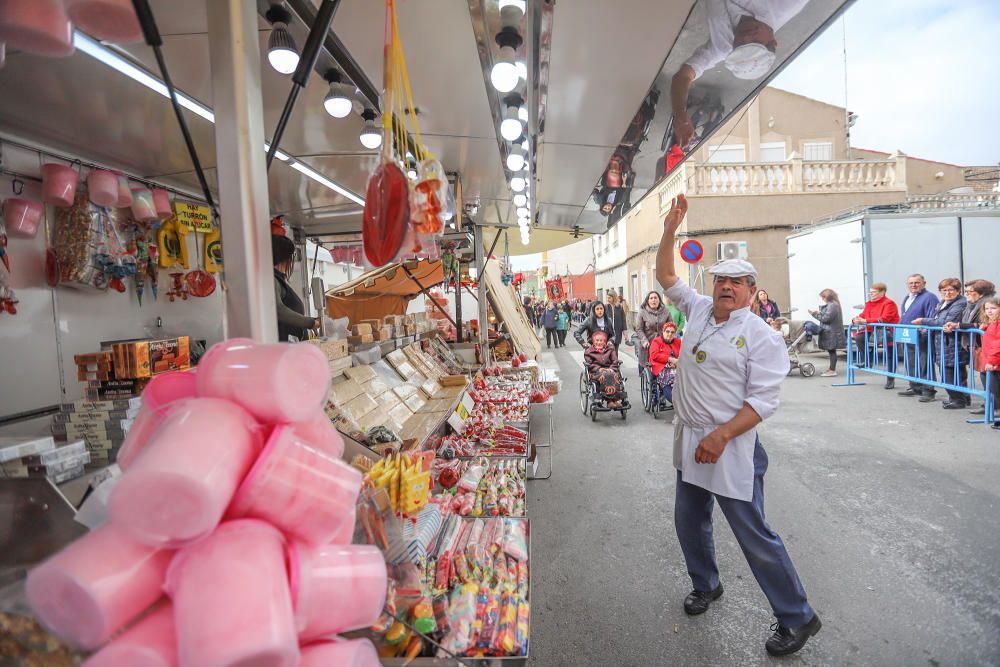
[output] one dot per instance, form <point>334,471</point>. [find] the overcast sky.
<point>922,75</point>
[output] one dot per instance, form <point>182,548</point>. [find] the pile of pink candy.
<point>229,534</point>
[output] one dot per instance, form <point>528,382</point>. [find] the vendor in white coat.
<point>728,376</point>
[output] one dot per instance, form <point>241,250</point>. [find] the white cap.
<point>750,61</point>
<point>733,268</point>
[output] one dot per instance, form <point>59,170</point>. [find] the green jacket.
<point>562,322</point>
<point>678,317</point>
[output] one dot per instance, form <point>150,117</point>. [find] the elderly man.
<point>729,373</point>
<point>919,304</point>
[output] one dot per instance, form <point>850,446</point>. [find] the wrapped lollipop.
<point>429,198</point>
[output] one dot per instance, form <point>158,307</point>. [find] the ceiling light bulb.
<point>522,70</point>
<point>522,113</point>
<point>281,50</point>
<point>370,137</point>
<point>338,102</point>
<point>522,212</point>
<point>520,200</point>
<point>517,184</point>
<point>515,160</point>
<point>519,5</point>
<point>525,239</point>
<point>504,76</point>
<point>524,145</point>
<point>510,127</point>
<point>412,173</point>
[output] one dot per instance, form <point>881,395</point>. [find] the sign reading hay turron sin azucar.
<point>194,216</point>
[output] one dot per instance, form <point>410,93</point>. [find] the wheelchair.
<point>591,401</point>
<point>649,388</point>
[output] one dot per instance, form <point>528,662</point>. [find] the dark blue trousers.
<point>762,547</point>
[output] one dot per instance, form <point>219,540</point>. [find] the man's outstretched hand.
<point>678,209</point>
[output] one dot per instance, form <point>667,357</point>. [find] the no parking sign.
<point>692,251</point>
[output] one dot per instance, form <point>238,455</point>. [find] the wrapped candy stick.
<point>500,570</point>
<point>441,572</point>
<point>461,568</point>
<point>505,638</point>
<point>482,599</point>
<point>490,617</point>
<point>441,614</point>
<point>523,611</point>
<point>461,617</point>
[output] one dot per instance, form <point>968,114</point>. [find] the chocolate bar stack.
<point>40,457</point>
<point>104,381</point>
<point>103,425</point>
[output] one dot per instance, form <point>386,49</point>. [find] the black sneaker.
<point>909,392</point>
<point>786,641</point>
<point>697,602</point>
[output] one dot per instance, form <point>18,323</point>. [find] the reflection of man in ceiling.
<point>740,34</point>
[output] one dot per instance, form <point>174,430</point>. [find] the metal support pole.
<point>481,277</point>
<point>459,338</point>
<point>234,49</point>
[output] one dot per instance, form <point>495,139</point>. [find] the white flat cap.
<point>733,268</point>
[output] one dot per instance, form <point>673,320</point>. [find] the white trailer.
<point>947,236</point>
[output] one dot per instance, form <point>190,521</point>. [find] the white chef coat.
<point>744,362</point>
<point>724,15</point>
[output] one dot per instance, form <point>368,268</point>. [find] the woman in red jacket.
<point>990,356</point>
<point>664,351</point>
<point>879,309</point>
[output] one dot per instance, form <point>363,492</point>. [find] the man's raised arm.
<point>666,274</point>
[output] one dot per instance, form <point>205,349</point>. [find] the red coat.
<point>660,352</point>
<point>991,345</point>
<point>883,311</point>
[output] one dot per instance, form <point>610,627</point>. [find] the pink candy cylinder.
<point>102,187</point>
<point>179,488</point>
<point>304,492</point>
<point>96,585</point>
<point>161,391</point>
<point>277,383</point>
<point>341,588</point>
<point>143,208</point>
<point>59,184</point>
<point>22,217</point>
<point>343,653</point>
<point>124,192</point>
<point>111,20</point>
<point>161,201</point>
<point>40,27</point>
<point>152,642</point>
<point>321,434</point>
<point>232,604</point>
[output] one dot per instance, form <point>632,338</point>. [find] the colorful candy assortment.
<point>484,487</point>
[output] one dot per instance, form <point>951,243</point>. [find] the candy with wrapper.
<point>515,541</point>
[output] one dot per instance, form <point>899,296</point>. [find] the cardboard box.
<point>361,329</point>
<point>384,333</point>
<point>84,405</point>
<point>100,374</point>
<point>145,358</point>
<point>360,339</point>
<point>102,358</point>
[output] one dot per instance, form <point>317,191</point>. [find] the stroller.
<point>798,341</point>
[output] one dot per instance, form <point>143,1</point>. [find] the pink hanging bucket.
<point>111,20</point>
<point>102,186</point>
<point>161,201</point>
<point>124,192</point>
<point>143,207</point>
<point>40,27</point>
<point>22,217</point>
<point>58,182</point>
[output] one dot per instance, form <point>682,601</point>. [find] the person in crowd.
<point>730,373</point>
<point>617,311</point>
<point>831,329</point>
<point>664,352</point>
<point>764,308</point>
<point>566,308</point>
<point>562,326</point>
<point>919,303</point>
<point>550,319</point>
<point>879,309</point>
<point>676,315</point>
<point>596,321</point>
<point>649,323</point>
<point>949,357</point>
<point>975,291</point>
<point>539,310</point>
<point>529,309</point>
<point>603,367</point>
<point>989,358</point>
<point>292,319</point>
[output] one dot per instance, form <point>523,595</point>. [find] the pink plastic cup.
<point>340,588</point>
<point>143,208</point>
<point>102,187</point>
<point>298,488</point>
<point>161,201</point>
<point>178,490</point>
<point>93,587</point>
<point>343,653</point>
<point>40,27</point>
<point>152,642</point>
<point>321,434</point>
<point>345,534</point>
<point>232,604</point>
<point>278,383</point>
<point>124,192</point>
<point>111,20</point>
<point>22,217</point>
<point>162,391</point>
<point>59,183</point>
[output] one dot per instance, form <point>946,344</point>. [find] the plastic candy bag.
<point>515,541</point>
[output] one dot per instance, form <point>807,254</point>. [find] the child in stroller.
<point>664,351</point>
<point>603,368</point>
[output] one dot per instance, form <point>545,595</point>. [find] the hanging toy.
<point>200,283</point>
<point>172,244</point>
<point>153,266</point>
<point>177,290</point>
<point>141,249</point>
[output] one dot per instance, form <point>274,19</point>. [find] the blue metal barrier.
<point>874,348</point>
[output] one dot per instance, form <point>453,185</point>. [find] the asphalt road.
<point>889,509</point>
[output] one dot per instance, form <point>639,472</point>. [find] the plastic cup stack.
<point>229,538</point>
